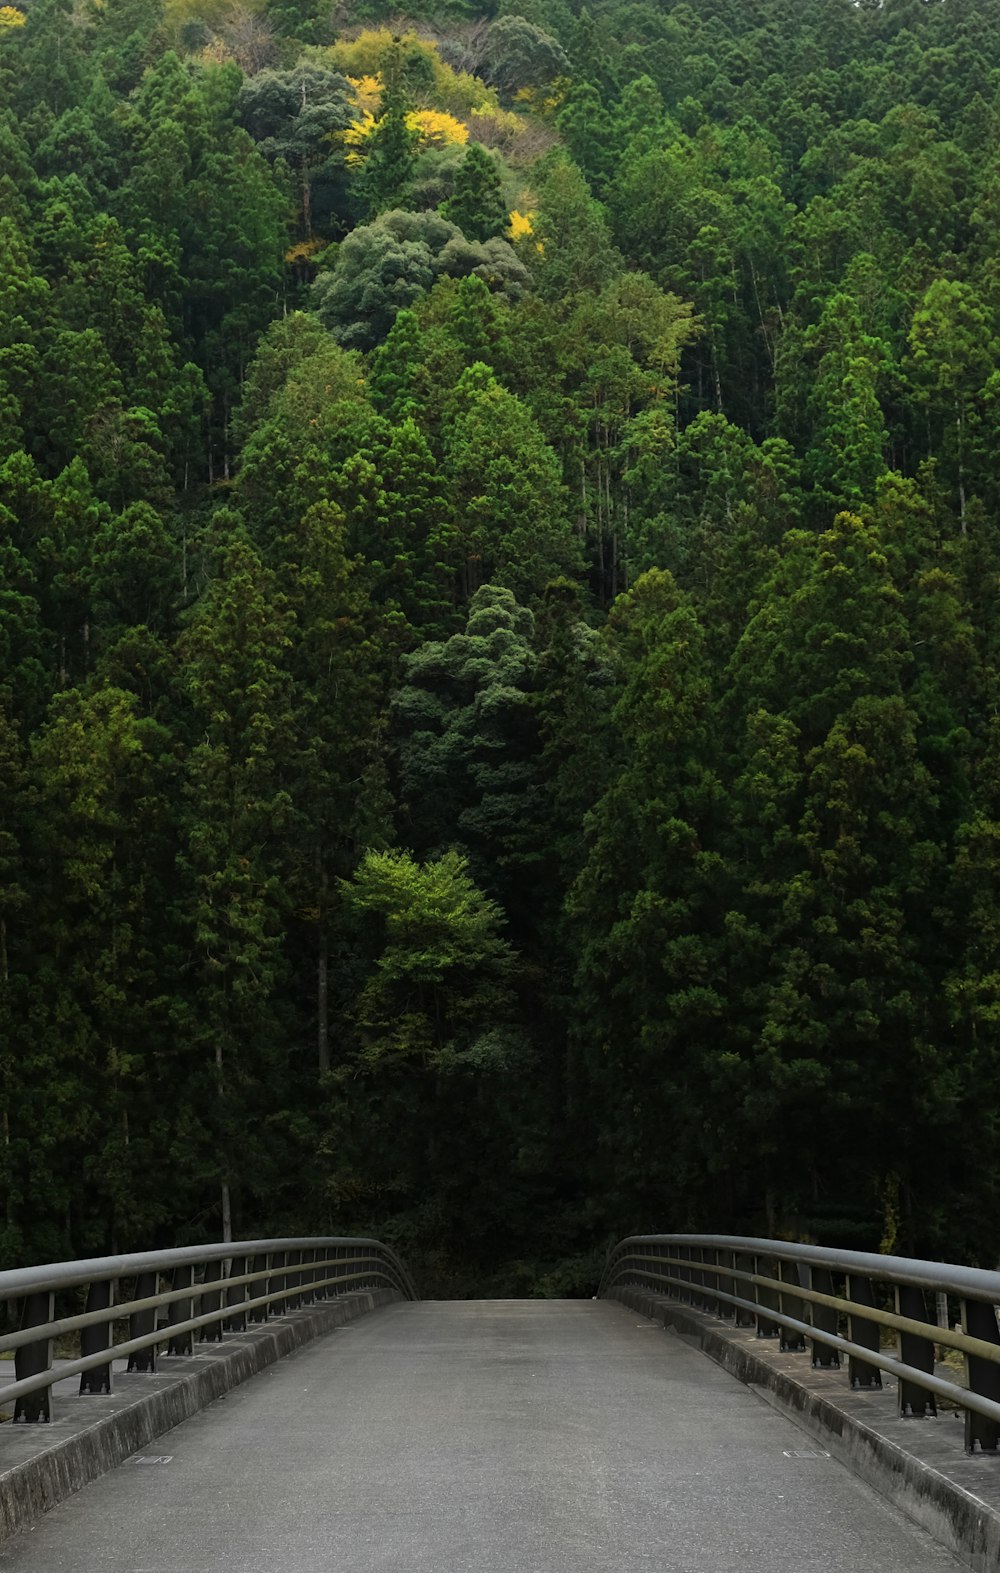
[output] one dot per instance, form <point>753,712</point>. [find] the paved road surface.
<point>506,1436</point>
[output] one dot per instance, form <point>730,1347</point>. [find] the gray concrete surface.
<point>918,1464</point>
<point>483,1437</point>
<point>41,1465</point>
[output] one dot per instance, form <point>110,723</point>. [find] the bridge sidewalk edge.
<point>184,1385</point>
<point>962,1522</point>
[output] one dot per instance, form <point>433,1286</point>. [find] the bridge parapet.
<point>838,1304</point>
<point>213,1289</point>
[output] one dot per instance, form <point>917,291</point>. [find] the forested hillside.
<point>499,625</point>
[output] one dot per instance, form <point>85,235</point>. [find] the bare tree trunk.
<point>961,469</point>
<point>227,1208</point>
<point>8,1203</point>
<point>227,1214</point>
<point>306,201</point>
<point>613,532</point>
<point>600,527</point>
<point>322,981</point>
<point>760,313</point>
<point>8,1199</point>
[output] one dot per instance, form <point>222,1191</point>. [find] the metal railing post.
<point>307,1277</point>
<point>685,1294</point>
<point>979,1320</point>
<point>862,1330</point>
<point>789,1304</point>
<point>293,1280</point>
<point>767,1298</point>
<point>277,1281</point>
<point>33,1359</point>
<point>710,1282</point>
<point>695,1277</point>
<point>915,1351</point>
<point>180,1311</point>
<point>260,1268</point>
<point>236,1321</point>
<point>746,1291</point>
<point>93,1340</point>
<point>211,1333</point>
<point>725,1284</point>
<point>823,1316</point>
<point>142,1323</point>
<point>706,1282</point>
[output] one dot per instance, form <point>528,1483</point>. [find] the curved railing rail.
<point>840,1303</point>
<point>213,1289</point>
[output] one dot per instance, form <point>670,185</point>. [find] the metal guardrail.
<point>240,1281</point>
<point>807,1295</point>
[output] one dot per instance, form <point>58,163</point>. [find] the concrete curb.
<point>111,1428</point>
<point>955,1517</point>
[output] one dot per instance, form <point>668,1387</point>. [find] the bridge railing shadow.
<point>867,1308</point>
<point>210,1290</point>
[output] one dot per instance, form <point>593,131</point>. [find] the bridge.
<point>506,1436</point>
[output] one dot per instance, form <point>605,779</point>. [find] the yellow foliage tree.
<point>303,250</point>
<point>355,136</point>
<point>363,56</point>
<point>367,91</point>
<point>454,92</point>
<point>545,101</point>
<point>10,16</point>
<point>436,128</point>
<point>433,126</point>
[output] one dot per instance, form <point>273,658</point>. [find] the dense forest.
<point>499,626</point>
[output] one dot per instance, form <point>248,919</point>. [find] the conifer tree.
<point>506,490</point>
<point>646,911</point>
<point>237,814</point>
<point>477,205</point>
<point>391,146</point>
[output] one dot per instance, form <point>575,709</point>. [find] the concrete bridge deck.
<point>483,1437</point>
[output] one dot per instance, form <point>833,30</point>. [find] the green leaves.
<point>439,929</point>
<point>507,491</point>
<point>387,265</point>
<point>497,736</point>
<point>477,204</point>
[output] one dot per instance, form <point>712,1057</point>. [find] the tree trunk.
<point>306,201</point>
<point>961,469</point>
<point>322,982</point>
<point>227,1208</point>
<point>8,1199</point>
